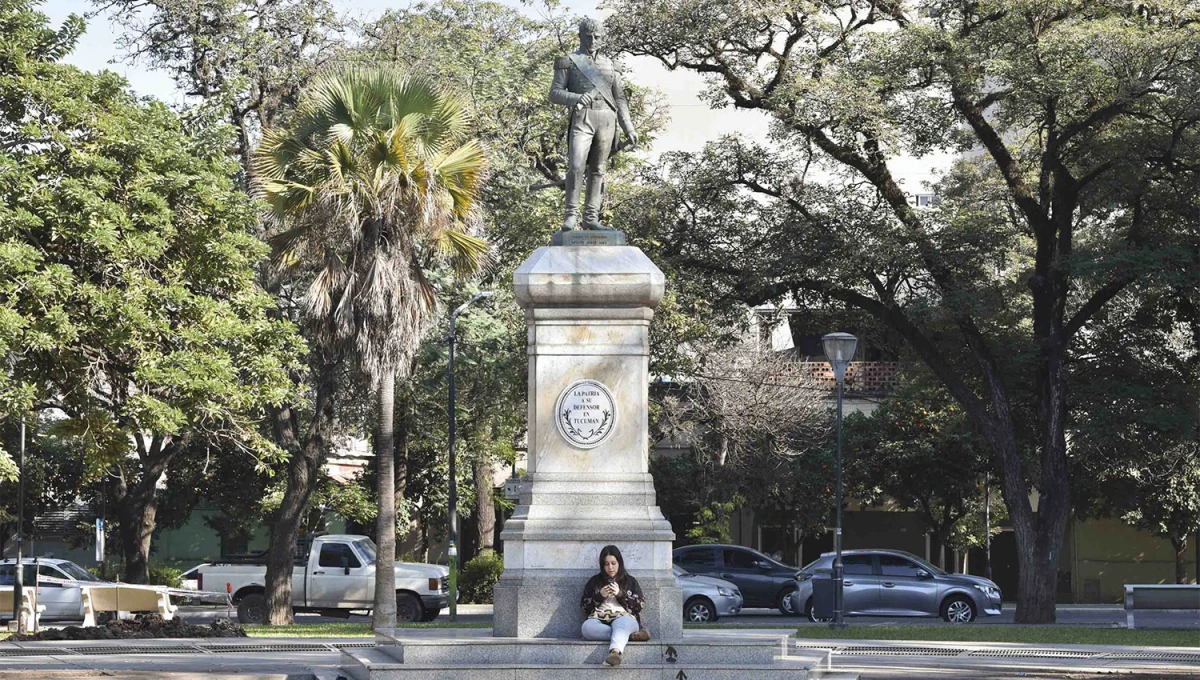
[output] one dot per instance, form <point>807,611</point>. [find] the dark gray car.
<point>762,581</point>
<point>897,583</point>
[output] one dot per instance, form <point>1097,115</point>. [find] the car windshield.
<point>78,573</point>
<point>680,571</point>
<point>810,565</point>
<point>366,548</point>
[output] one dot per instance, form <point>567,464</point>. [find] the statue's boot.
<point>571,203</point>
<point>595,196</point>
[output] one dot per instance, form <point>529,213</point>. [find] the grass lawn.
<point>1046,635</point>
<point>349,630</point>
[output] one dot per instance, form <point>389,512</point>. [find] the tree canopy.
<point>1075,123</point>
<point>128,302</point>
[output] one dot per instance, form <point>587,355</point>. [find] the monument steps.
<point>373,664</point>
<point>694,649</point>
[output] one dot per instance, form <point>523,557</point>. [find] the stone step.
<point>481,648</point>
<point>581,652</point>
<point>369,664</point>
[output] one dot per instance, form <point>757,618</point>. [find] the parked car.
<point>706,599</point>
<point>334,576</point>
<point>762,581</point>
<point>897,583</point>
<point>61,601</point>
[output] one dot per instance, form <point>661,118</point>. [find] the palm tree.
<point>374,183</point>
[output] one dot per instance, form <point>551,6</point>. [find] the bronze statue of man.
<point>587,84</point>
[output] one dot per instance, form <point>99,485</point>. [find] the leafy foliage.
<point>1077,125</point>
<point>478,577</point>
<point>127,277</point>
<point>921,451</point>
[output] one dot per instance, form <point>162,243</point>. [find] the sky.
<point>693,122</point>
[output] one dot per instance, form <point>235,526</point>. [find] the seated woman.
<point>612,601</point>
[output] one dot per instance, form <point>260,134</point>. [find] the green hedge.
<point>163,575</point>
<point>477,578</point>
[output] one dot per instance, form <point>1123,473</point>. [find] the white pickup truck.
<point>335,576</point>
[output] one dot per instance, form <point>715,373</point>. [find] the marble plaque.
<point>585,413</point>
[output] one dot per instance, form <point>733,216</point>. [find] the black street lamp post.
<point>18,577</point>
<point>453,549</point>
<point>839,350</point>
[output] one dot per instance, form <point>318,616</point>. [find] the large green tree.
<point>1080,119</point>
<point>375,180</point>
<point>127,284</point>
<point>246,63</point>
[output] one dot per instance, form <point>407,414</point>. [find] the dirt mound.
<point>141,627</point>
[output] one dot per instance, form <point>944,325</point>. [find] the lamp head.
<point>839,351</point>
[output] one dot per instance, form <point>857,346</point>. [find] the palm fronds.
<point>373,181</point>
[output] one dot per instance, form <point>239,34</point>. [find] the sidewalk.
<point>299,658</point>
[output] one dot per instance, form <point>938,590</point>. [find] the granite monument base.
<point>545,605</point>
<point>407,654</point>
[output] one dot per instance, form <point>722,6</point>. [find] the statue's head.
<point>591,35</point>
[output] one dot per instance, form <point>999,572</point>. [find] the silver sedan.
<point>706,599</point>
<point>897,583</point>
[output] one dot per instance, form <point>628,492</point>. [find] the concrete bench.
<point>122,599</point>
<point>31,612</point>
<point>1159,596</point>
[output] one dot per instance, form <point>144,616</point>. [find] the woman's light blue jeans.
<point>617,634</point>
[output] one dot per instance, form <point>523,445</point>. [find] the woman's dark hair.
<point>615,552</point>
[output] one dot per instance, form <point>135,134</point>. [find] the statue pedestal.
<point>588,310</point>
<point>587,483</point>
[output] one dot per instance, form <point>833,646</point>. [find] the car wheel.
<point>699,610</point>
<point>808,611</point>
<point>784,602</point>
<point>430,615</point>
<point>958,609</point>
<point>253,609</point>
<point>409,608</point>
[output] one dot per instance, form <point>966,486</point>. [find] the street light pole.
<point>453,549</point>
<point>839,350</point>
<point>19,580</point>
<point>987,525</point>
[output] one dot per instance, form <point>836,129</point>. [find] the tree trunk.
<point>137,510</point>
<point>303,466</point>
<point>485,507</point>
<point>1180,545</point>
<point>385,521</point>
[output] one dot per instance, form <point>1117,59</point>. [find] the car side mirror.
<point>345,565</point>
<point>921,573</point>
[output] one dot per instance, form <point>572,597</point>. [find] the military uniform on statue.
<point>587,84</point>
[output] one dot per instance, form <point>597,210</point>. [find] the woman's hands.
<point>610,590</point>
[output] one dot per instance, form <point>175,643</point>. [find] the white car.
<point>335,576</point>
<point>61,601</point>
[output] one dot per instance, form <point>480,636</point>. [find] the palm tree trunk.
<point>385,521</point>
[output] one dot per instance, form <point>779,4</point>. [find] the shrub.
<point>477,578</point>
<point>163,575</point>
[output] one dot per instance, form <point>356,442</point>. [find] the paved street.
<point>1068,615</point>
